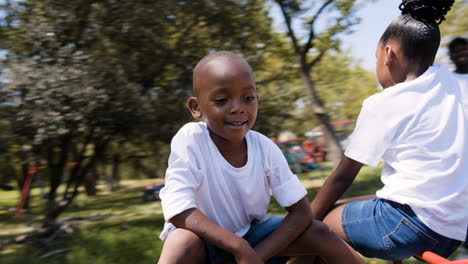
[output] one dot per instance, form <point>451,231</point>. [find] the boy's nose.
<point>236,107</point>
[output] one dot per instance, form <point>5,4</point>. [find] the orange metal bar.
<point>25,191</point>
<point>27,185</point>
<point>433,258</point>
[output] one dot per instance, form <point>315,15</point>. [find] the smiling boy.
<point>219,179</point>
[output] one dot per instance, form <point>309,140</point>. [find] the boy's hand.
<point>195,221</point>
<point>246,255</point>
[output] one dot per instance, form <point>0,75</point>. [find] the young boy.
<point>219,179</point>
<point>458,51</point>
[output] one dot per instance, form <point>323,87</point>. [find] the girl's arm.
<point>195,221</point>
<point>294,224</point>
<point>335,186</point>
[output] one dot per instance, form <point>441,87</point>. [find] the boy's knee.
<point>185,239</point>
<point>320,231</point>
<point>183,244</point>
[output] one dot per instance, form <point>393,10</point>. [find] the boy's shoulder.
<point>192,129</point>
<point>261,140</point>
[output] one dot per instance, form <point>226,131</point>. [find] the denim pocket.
<point>406,240</point>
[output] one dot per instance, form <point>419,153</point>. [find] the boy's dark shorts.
<point>257,233</point>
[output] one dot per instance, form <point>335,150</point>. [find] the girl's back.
<point>420,133</point>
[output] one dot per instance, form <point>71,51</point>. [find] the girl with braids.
<point>417,126</point>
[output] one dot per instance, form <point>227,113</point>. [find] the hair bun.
<point>432,10</point>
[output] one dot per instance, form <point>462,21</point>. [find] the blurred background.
<point>92,91</point>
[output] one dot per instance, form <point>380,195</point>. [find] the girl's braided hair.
<point>417,29</point>
<point>431,10</point>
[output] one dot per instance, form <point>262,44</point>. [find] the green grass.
<point>128,229</point>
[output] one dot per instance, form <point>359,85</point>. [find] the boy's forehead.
<point>460,46</point>
<point>220,68</point>
<point>223,64</point>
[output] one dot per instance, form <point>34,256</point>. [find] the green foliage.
<point>343,84</point>
<point>456,23</point>
<point>278,88</point>
<point>107,81</point>
<point>8,148</point>
<point>325,22</point>
<point>96,74</point>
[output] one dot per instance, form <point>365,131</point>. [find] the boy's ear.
<point>389,54</point>
<point>194,107</point>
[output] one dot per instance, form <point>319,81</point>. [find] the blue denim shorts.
<point>257,233</point>
<point>388,230</point>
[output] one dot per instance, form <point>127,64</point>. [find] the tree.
<point>341,15</point>
<point>278,88</point>
<point>456,23</point>
<point>91,74</point>
<point>343,84</point>
<point>8,148</point>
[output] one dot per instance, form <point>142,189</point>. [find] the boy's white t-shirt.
<point>418,128</point>
<point>463,82</point>
<point>199,177</point>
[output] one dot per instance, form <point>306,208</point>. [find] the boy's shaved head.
<point>217,59</point>
<point>225,97</point>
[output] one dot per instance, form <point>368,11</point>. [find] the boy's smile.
<point>226,98</point>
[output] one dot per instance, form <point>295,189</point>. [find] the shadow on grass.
<point>132,241</point>
<point>122,197</point>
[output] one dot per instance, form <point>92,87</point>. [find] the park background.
<point>92,92</point>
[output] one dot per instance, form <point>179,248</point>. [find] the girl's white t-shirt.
<point>418,128</point>
<point>199,177</point>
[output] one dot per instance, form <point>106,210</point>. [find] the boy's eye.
<point>249,98</point>
<point>220,100</point>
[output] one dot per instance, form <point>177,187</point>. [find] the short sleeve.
<point>182,176</point>
<point>285,186</point>
<point>371,136</point>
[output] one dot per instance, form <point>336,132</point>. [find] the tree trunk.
<point>22,178</point>
<point>136,168</point>
<point>334,150</point>
<point>90,181</point>
<point>301,56</point>
<point>115,176</point>
<point>56,170</point>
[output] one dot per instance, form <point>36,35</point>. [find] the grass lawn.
<point>124,229</point>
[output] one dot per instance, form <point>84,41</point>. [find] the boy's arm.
<point>293,225</point>
<point>335,186</point>
<point>195,221</point>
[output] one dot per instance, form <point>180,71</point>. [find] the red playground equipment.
<point>433,258</point>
